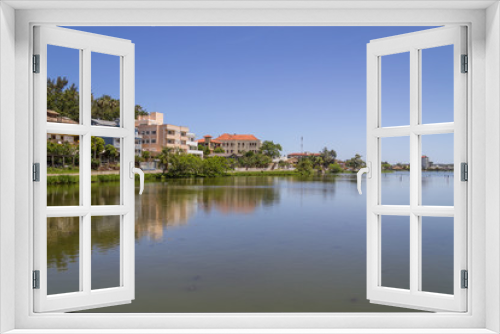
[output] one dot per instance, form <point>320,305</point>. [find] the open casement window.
<point>71,135</point>
<point>420,215</point>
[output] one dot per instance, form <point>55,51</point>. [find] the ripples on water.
<point>256,244</point>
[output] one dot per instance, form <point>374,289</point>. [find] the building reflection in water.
<point>163,205</point>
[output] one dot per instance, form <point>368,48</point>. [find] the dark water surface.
<point>254,244</point>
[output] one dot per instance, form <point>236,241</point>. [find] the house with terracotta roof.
<point>207,141</point>
<point>232,144</point>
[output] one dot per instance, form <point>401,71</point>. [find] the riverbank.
<point>157,176</point>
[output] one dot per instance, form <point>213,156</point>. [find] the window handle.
<point>368,171</point>
<point>139,171</point>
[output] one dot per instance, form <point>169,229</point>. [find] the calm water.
<point>254,244</point>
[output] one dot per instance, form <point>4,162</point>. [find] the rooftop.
<point>227,136</point>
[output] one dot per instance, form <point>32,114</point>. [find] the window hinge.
<point>465,279</point>
<point>464,171</point>
<point>465,64</point>
<point>36,279</point>
<point>36,172</point>
<point>36,63</point>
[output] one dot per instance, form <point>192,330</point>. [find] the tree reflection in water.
<point>163,205</point>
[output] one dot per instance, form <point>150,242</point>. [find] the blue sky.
<point>279,83</point>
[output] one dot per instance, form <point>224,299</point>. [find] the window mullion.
<point>414,170</point>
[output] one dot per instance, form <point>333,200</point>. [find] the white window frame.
<point>85,44</point>
<point>414,43</point>
<point>482,19</point>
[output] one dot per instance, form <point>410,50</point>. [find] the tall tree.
<point>328,156</point>
<point>164,157</point>
<point>271,149</point>
<point>63,99</point>
<point>97,146</point>
<point>111,152</point>
<point>355,162</point>
<point>140,111</point>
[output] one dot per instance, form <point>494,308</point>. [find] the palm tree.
<point>164,157</point>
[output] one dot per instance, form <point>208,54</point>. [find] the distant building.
<point>55,117</point>
<point>101,122</point>
<point>156,135</point>
<point>233,145</point>
<point>61,139</point>
<point>302,155</point>
<point>207,141</point>
<point>138,142</point>
<point>193,145</point>
<point>426,163</point>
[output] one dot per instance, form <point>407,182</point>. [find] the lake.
<point>254,244</point>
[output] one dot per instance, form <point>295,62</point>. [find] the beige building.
<point>156,135</point>
<point>232,144</point>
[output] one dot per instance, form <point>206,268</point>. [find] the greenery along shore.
<point>158,177</point>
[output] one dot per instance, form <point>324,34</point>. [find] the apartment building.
<point>156,135</point>
<point>234,144</point>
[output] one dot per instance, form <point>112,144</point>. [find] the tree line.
<point>65,100</point>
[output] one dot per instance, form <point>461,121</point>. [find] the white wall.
<point>492,164</point>
<point>7,186</point>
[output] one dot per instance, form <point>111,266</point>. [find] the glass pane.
<point>63,169</point>
<point>437,254</point>
<point>63,80</point>
<point>437,169</point>
<point>105,89</point>
<point>105,236</point>
<point>395,89</point>
<point>395,244</point>
<point>437,84</point>
<point>105,188</point>
<point>395,167</point>
<point>63,254</point>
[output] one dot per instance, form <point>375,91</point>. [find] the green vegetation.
<point>205,149</point>
<point>305,167</point>
<point>64,100</point>
<point>70,170</point>
<point>355,162</point>
<point>335,168</point>
<point>264,173</point>
<point>253,160</point>
<point>62,154</point>
<point>219,150</point>
<point>270,149</point>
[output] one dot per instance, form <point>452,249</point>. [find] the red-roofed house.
<point>232,144</point>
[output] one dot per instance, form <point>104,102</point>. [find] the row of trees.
<point>66,153</point>
<point>176,163</point>
<point>65,99</point>
<point>326,162</point>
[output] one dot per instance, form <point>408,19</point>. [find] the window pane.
<point>63,80</point>
<point>105,188</point>
<point>437,254</point>
<point>105,90</point>
<point>395,244</point>
<point>105,252</point>
<point>437,169</point>
<point>395,89</point>
<point>395,167</point>
<point>63,169</point>
<point>437,84</point>
<point>63,255</point>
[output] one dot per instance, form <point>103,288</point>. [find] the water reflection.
<point>248,244</point>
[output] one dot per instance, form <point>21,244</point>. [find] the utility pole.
<point>301,144</point>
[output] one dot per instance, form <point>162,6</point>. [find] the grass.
<point>264,173</point>
<point>70,170</point>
